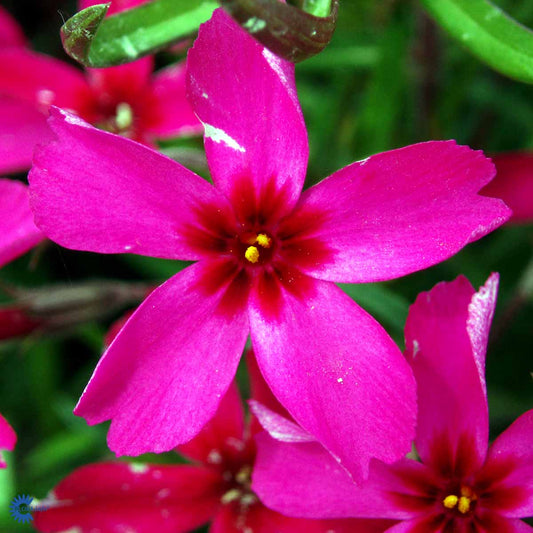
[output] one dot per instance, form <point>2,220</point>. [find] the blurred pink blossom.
<point>113,496</point>
<point>7,439</point>
<point>128,99</point>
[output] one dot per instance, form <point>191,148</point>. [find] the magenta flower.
<point>10,32</point>
<point>514,184</point>
<point>7,439</point>
<point>18,233</point>
<point>460,485</point>
<point>112,496</point>
<point>128,99</point>
<point>268,257</point>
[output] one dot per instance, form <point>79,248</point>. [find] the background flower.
<point>459,484</point>
<point>115,496</point>
<point>129,99</point>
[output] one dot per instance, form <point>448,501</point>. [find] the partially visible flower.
<point>113,497</point>
<point>10,32</point>
<point>268,257</point>
<point>128,99</point>
<point>460,485</point>
<point>514,184</point>
<point>18,233</point>
<point>16,322</point>
<point>7,439</point>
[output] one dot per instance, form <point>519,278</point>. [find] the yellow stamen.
<point>124,117</point>
<point>464,504</point>
<point>263,240</point>
<point>450,501</point>
<point>252,254</point>
<point>243,475</point>
<point>231,496</point>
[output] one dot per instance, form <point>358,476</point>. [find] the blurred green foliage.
<point>389,78</point>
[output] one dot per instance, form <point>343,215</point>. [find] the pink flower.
<point>514,184</point>
<point>18,233</point>
<point>7,439</point>
<point>128,99</point>
<point>268,258</point>
<point>113,496</point>
<point>461,485</point>
<point>10,32</point>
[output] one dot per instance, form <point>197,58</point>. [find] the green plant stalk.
<point>489,33</point>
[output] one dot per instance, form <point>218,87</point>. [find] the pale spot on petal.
<point>217,135</point>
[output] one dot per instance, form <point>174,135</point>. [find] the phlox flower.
<point>18,233</point>
<point>129,99</point>
<point>514,184</point>
<point>113,496</point>
<point>267,258</point>
<point>460,485</point>
<point>7,439</point>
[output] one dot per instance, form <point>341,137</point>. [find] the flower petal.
<point>132,497</point>
<point>246,98</point>
<point>401,211</point>
<point>259,519</point>
<point>303,479</point>
<point>163,376</point>
<point>446,334</point>
<point>42,80</point>
<point>170,113</point>
<point>8,438</point>
<point>225,430</point>
<point>18,233</point>
<point>22,126</point>
<point>336,371</point>
<point>426,524</point>
<point>11,33</point>
<point>493,522</point>
<point>259,390</point>
<point>95,191</point>
<point>514,184</point>
<point>509,469</point>
<point>277,426</point>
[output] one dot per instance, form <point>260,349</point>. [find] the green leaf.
<point>95,40</point>
<point>286,30</point>
<point>489,33</point>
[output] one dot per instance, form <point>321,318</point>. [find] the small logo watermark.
<point>21,508</point>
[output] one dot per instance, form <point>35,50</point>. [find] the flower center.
<point>258,249</point>
<point>240,492</point>
<point>119,121</point>
<point>462,502</point>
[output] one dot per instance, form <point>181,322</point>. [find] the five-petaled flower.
<point>460,485</point>
<point>268,258</point>
<point>113,496</point>
<point>128,99</point>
